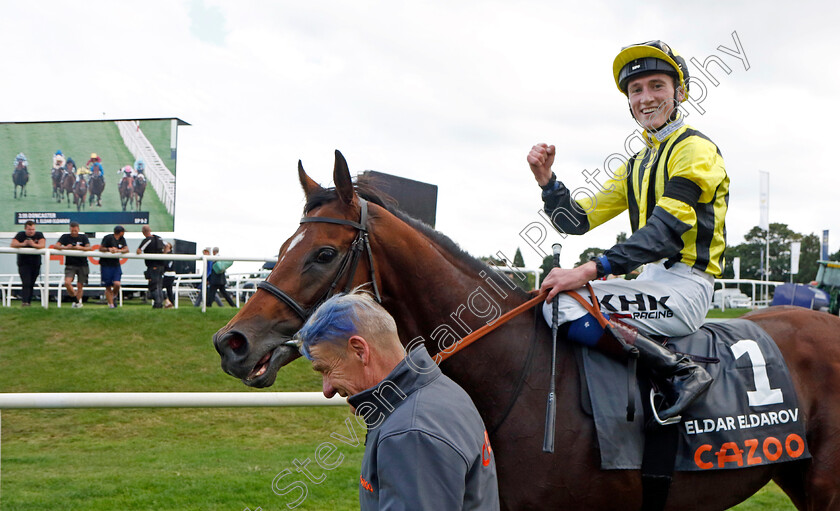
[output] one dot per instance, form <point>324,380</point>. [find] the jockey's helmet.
<point>649,57</point>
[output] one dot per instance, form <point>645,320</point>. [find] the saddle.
<point>749,416</point>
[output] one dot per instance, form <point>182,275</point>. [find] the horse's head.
<point>328,253</point>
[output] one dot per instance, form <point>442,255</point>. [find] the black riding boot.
<point>684,381</point>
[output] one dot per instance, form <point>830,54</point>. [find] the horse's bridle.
<point>350,261</point>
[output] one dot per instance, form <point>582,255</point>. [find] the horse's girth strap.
<point>486,329</point>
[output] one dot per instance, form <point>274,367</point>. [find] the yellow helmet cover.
<point>652,56</point>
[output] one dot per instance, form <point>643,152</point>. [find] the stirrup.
<point>667,422</point>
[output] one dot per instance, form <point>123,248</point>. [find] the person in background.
<point>75,267</point>
<point>426,447</point>
<point>168,279</point>
<point>202,292</point>
<point>152,244</point>
<point>29,265</point>
<point>111,268</point>
<point>217,281</point>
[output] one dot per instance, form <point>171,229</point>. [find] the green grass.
<point>39,141</point>
<point>159,133</point>
<point>152,459</point>
<point>727,314</point>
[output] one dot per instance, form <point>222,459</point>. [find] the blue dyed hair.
<point>335,321</point>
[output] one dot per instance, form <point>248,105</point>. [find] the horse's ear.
<point>309,186</point>
<point>342,180</point>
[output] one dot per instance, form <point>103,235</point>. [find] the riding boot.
<point>684,380</point>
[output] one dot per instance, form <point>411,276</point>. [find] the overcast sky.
<point>452,93</point>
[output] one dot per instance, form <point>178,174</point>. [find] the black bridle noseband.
<point>351,261</point>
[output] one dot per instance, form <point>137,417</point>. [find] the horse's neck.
<point>436,296</point>
<point>429,289</point>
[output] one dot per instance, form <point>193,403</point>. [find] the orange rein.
<point>486,329</point>
<point>504,318</point>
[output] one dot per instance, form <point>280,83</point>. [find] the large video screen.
<point>98,173</point>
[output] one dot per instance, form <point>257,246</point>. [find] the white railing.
<point>49,281</point>
<point>164,399</point>
<point>763,287</point>
<point>161,178</point>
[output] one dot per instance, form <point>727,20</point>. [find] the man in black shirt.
<point>152,244</point>
<point>29,265</point>
<point>110,267</point>
<point>75,266</point>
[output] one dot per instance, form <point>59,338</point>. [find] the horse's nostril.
<point>236,342</point>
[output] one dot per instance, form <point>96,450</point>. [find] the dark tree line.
<point>751,252</point>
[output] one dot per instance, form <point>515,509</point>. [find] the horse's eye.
<point>325,255</point>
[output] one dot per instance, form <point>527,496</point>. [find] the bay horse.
<point>80,189</point>
<point>96,187</point>
<point>57,174</point>
<point>139,190</point>
<point>425,280</point>
<point>126,188</point>
<point>20,176</point>
<point>68,182</point>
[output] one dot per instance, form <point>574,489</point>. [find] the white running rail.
<point>164,399</point>
<point>161,178</point>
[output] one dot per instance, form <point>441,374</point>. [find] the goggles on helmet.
<point>648,57</point>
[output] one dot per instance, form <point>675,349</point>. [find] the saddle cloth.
<point>749,416</point>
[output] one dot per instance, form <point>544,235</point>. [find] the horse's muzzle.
<point>255,366</point>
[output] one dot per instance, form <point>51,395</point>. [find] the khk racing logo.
<point>643,306</point>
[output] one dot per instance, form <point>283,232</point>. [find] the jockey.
<point>676,191</point>
<point>95,160</point>
<point>84,171</point>
<point>126,172</point>
<point>21,159</point>
<point>140,166</point>
<point>97,170</point>
<point>58,160</point>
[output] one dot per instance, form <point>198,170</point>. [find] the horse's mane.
<point>366,188</point>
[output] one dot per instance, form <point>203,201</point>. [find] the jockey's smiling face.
<point>651,99</point>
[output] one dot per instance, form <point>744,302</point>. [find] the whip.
<point>551,404</point>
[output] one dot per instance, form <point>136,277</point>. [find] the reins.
<point>592,308</point>
<point>486,329</point>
